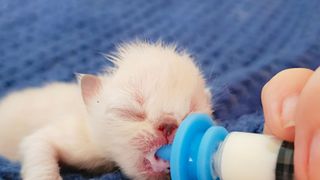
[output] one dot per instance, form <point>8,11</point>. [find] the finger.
<point>266,129</point>
<point>307,140</point>
<point>279,98</point>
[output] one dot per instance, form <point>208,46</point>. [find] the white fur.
<point>53,123</point>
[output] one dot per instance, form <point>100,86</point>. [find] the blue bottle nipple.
<point>164,152</point>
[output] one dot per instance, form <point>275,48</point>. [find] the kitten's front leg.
<point>40,157</point>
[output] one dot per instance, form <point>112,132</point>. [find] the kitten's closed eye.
<point>130,113</point>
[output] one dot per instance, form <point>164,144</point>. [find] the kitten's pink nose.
<point>167,129</point>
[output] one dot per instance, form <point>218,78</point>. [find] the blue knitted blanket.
<point>238,44</point>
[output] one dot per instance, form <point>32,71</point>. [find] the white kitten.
<point>118,118</point>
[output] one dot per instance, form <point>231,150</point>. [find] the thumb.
<point>279,99</point>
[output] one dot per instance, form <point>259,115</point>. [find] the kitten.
<point>118,118</point>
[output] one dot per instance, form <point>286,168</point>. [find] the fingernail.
<point>288,110</point>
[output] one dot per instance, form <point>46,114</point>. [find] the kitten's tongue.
<point>164,152</point>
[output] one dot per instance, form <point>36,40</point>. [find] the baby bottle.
<point>203,151</point>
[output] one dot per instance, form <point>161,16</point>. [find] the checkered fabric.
<point>284,167</point>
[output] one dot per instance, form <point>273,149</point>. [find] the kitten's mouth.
<point>154,166</point>
<point>150,164</point>
<point>157,165</point>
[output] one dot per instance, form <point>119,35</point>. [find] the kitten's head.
<point>136,106</point>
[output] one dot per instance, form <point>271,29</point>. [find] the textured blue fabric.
<point>238,44</point>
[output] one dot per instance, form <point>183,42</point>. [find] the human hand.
<point>291,105</point>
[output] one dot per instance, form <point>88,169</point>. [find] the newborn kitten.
<point>119,118</point>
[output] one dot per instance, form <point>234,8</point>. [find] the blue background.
<point>239,44</point>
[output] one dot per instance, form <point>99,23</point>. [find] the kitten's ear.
<point>90,86</point>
